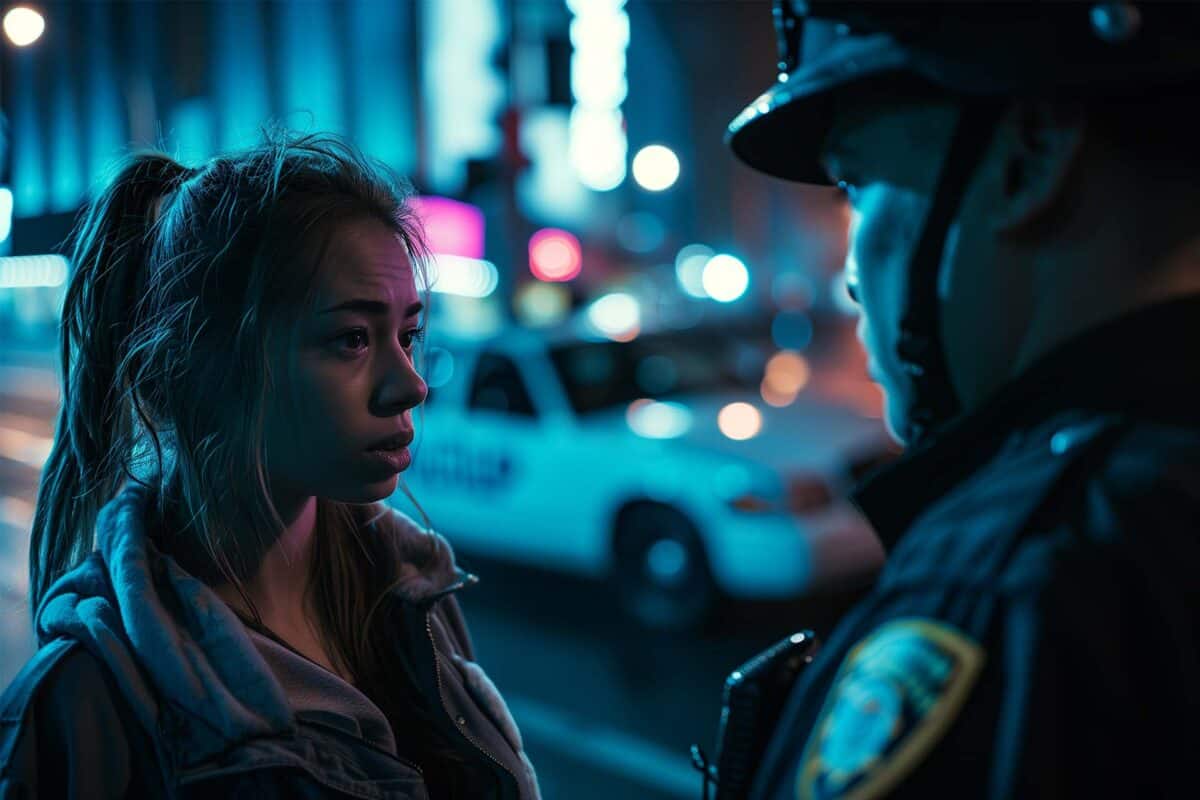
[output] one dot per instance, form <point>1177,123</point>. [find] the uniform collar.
<point>1144,364</point>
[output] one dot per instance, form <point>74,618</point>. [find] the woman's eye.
<point>353,336</point>
<point>413,336</point>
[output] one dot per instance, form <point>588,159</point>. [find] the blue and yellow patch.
<point>893,698</point>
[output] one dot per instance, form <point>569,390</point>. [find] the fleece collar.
<point>152,622</point>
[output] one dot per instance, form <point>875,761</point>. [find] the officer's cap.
<point>967,49</point>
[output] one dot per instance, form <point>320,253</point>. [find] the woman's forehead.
<point>366,259</point>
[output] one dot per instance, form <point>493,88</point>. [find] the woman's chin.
<point>382,490</point>
<point>366,492</point>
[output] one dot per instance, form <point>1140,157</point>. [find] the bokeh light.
<point>597,147</point>
<point>739,421</point>
<point>539,304</point>
<point>30,271</point>
<point>23,26</point>
<point>786,376</point>
<point>658,420</point>
<point>725,278</point>
<point>439,367</point>
<point>451,227</point>
<point>689,268</point>
<point>554,255</point>
<point>616,315</point>
<point>656,168</point>
<point>466,277</point>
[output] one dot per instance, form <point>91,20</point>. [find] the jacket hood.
<point>155,625</point>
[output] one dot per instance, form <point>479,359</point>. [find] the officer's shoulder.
<point>1125,482</point>
<point>1154,456</point>
<point>1152,475</point>
<point>1126,458</point>
<point>1071,485</point>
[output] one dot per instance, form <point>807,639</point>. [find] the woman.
<point>223,607</point>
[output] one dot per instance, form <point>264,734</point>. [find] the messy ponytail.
<point>187,287</point>
<point>86,466</point>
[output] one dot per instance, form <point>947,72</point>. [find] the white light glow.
<point>689,268</point>
<point>739,421</point>
<point>616,315</point>
<point>466,277</point>
<point>580,7</point>
<point>606,30</point>
<point>463,90</point>
<point>725,278</point>
<point>29,271</point>
<point>658,420</point>
<point>656,168</point>
<point>598,78</point>
<point>598,148</point>
<point>6,213</point>
<point>23,26</point>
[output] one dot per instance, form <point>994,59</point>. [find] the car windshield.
<point>600,375</point>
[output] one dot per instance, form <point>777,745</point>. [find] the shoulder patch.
<point>892,700</point>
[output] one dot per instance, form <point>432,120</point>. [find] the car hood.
<point>807,435</point>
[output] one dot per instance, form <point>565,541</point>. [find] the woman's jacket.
<point>146,684</point>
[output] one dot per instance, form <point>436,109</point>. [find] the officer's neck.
<point>1085,295</point>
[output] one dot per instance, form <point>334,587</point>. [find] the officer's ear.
<point>1038,144</point>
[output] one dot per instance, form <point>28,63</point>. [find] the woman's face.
<point>346,379</point>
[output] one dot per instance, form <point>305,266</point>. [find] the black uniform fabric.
<point>1056,529</point>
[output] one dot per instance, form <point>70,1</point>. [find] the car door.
<point>523,482</point>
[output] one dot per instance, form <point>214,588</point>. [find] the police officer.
<point>1025,251</point>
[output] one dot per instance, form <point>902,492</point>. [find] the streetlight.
<point>655,168</point>
<point>23,25</point>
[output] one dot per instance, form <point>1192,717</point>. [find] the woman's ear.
<point>1037,146</point>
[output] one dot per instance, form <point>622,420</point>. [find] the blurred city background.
<point>647,402</point>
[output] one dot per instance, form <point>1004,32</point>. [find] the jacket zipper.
<point>437,669</point>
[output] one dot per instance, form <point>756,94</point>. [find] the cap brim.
<point>782,132</point>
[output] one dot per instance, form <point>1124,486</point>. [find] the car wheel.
<point>661,574</point>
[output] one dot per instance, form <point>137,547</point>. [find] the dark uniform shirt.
<point>1035,631</point>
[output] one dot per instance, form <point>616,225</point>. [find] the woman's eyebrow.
<point>372,307</point>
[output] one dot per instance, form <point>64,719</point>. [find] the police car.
<point>653,463</point>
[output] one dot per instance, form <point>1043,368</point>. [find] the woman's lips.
<point>396,460</point>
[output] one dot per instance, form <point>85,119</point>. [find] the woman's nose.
<point>405,388</point>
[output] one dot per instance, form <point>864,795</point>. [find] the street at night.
<point>485,399</point>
